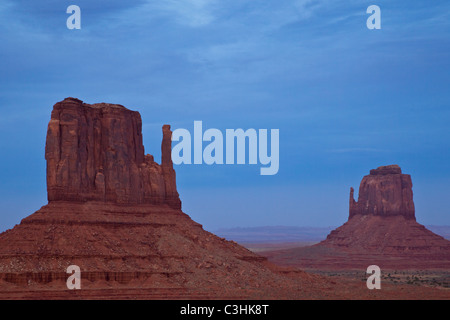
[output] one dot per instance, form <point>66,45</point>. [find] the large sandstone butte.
<point>95,153</point>
<point>115,213</point>
<point>381,230</point>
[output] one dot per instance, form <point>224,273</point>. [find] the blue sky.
<point>346,99</point>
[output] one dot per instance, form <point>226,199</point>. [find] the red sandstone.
<point>95,153</point>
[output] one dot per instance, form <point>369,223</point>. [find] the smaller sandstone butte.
<point>95,153</point>
<point>381,229</point>
<point>384,192</point>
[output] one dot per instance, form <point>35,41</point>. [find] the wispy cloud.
<point>192,13</point>
<point>357,150</point>
<point>247,14</point>
<point>4,5</point>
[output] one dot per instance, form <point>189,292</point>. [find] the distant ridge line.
<point>294,233</point>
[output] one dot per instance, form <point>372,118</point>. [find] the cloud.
<point>192,13</point>
<point>4,6</point>
<point>245,14</point>
<point>306,8</point>
<point>351,150</point>
<point>195,13</point>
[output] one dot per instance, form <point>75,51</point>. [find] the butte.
<point>381,230</point>
<point>116,213</point>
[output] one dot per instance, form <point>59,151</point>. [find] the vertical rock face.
<point>168,172</point>
<point>384,192</point>
<point>95,152</point>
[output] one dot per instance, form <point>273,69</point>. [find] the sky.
<point>346,99</point>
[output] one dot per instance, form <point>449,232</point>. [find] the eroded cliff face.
<point>387,192</point>
<point>95,152</point>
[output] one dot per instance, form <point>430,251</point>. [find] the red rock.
<point>385,192</point>
<point>95,152</point>
<point>167,169</point>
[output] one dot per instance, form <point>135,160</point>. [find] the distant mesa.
<point>381,229</point>
<point>384,192</point>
